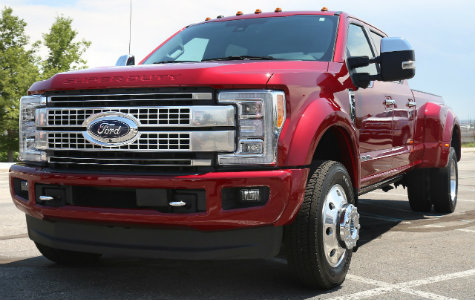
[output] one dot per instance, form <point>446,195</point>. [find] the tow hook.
<point>349,226</point>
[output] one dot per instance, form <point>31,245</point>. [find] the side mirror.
<point>397,60</point>
<point>126,60</point>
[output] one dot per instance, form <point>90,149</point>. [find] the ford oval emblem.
<point>111,129</point>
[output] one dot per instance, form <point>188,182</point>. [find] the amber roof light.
<point>239,13</point>
<point>258,11</point>
<point>207,19</point>
<point>324,8</point>
<point>278,9</point>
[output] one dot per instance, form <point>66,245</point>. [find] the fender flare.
<point>439,124</point>
<point>317,118</point>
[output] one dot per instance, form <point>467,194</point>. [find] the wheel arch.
<point>335,144</point>
<point>324,132</point>
<point>441,131</point>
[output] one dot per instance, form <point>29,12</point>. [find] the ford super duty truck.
<point>236,137</point>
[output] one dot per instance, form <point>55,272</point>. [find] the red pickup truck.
<point>233,138</point>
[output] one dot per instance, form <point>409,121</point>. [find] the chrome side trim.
<point>351,99</point>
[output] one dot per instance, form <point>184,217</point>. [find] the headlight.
<point>32,140</point>
<point>261,115</point>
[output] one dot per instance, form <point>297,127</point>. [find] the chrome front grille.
<point>175,129</point>
<point>151,116</point>
<point>155,116</point>
<point>161,141</point>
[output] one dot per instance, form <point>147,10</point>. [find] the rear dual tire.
<point>434,187</point>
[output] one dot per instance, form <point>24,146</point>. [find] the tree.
<point>20,67</point>
<point>18,70</point>
<point>64,53</point>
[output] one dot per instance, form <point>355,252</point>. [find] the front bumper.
<point>286,194</point>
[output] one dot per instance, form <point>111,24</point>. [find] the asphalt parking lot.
<point>402,255</point>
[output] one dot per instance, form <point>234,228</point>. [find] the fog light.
<point>244,197</point>
<point>250,195</point>
<point>24,185</point>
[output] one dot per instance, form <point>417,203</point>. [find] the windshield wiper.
<point>173,61</point>
<point>242,57</point>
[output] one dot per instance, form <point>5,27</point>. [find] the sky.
<point>441,32</point>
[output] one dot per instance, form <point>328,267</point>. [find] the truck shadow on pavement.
<point>127,278</point>
<point>132,278</point>
<point>380,216</point>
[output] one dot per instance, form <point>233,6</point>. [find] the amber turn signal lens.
<point>324,8</point>
<point>258,11</point>
<point>278,9</point>
<point>280,111</point>
<point>207,19</point>
<point>239,13</point>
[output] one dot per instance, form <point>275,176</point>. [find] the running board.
<point>379,185</point>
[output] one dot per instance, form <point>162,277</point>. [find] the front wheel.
<point>320,240</point>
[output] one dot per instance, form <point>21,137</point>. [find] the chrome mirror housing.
<point>397,59</point>
<point>126,60</point>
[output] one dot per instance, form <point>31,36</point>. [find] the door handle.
<point>389,102</point>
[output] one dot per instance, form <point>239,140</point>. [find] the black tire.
<point>443,195</point>
<point>304,236</point>
<point>418,190</point>
<point>65,257</point>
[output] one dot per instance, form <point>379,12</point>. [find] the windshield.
<point>302,37</point>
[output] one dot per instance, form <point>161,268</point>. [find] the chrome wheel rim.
<point>453,182</point>
<point>334,202</point>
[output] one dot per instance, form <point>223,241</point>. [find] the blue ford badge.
<point>111,129</point>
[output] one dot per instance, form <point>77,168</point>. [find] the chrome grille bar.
<point>157,141</point>
<point>131,97</point>
<point>148,162</point>
<point>148,116</point>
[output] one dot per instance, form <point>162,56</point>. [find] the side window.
<point>376,41</point>
<point>358,45</point>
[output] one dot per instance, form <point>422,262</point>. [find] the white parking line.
<point>433,225</point>
<point>466,230</point>
<point>379,217</point>
<point>405,287</point>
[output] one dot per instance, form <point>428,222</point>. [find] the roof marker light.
<point>324,8</point>
<point>258,11</point>
<point>239,13</point>
<point>207,19</point>
<point>220,16</point>
<point>278,9</point>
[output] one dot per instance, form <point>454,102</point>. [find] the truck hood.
<point>229,74</point>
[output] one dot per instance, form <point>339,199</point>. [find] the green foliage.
<point>18,70</point>
<point>468,145</point>
<point>20,67</point>
<point>64,53</point>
